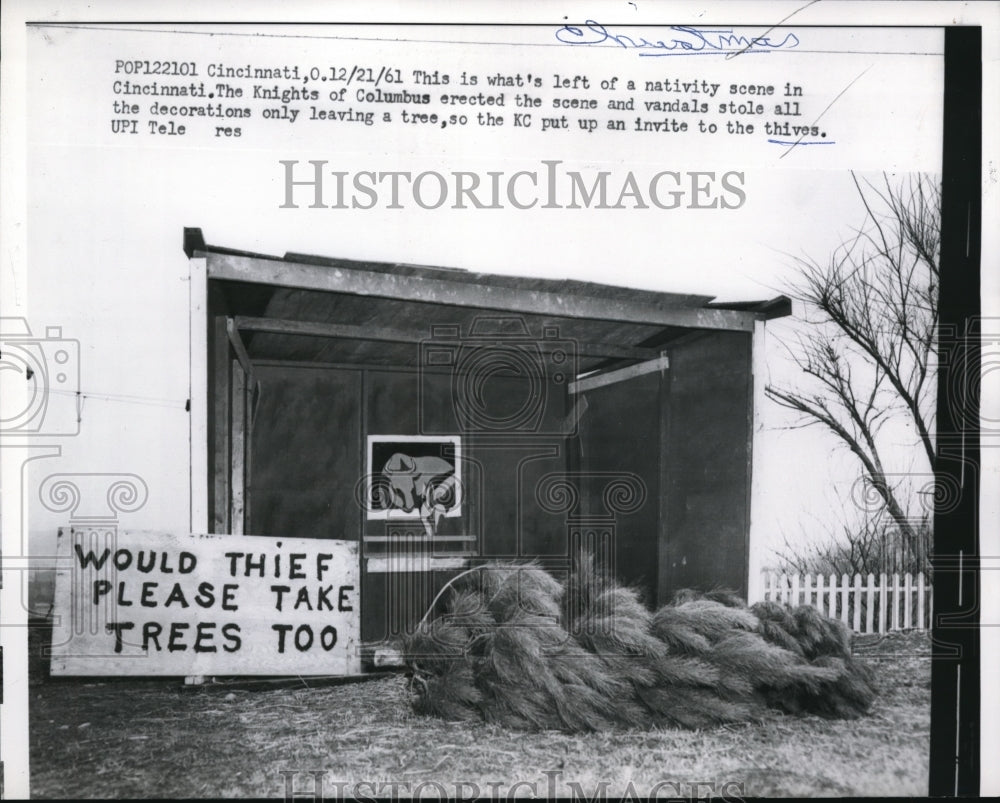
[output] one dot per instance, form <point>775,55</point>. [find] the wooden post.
<point>833,596</point>
<point>895,601</point>
<point>819,592</point>
<point>759,497</point>
<point>857,603</point>
<point>845,585</point>
<point>930,607</point>
<point>198,394</point>
<point>920,602</point>
<point>907,602</point>
<point>238,468</point>
<point>795,590</point>
<point>870,604</point>
<point>220,459</point>
<point>807,590</point>
<point>882,582</point>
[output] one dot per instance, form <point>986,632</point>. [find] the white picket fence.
<point>866,605</point>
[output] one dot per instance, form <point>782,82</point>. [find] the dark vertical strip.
<point>955,714</point>
<point>748,582</point>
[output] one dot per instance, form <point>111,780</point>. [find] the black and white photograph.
<point>569,402</point>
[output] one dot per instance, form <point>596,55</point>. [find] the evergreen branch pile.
<point>514,646</point>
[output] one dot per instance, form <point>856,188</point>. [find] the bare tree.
<point>869,350</point>
<point>872,546</point>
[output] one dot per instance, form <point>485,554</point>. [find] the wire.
<point>146,401</point>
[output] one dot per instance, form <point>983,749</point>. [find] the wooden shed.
<point>574,416</point>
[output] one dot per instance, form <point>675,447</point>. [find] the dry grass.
<point>121,738</point>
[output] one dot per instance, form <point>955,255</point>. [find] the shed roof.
<point>308,308</point>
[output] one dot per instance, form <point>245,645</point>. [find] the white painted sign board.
<point>150,603</point>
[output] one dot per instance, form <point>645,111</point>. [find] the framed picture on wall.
<point>414,477</point>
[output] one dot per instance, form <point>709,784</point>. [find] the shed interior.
<point>589,417</point>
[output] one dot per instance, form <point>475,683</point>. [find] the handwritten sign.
<point>147,603</point>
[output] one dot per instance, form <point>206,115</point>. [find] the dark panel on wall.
<point>540,533</point>
<point>306,453</point>
<point>393,603</point>
<point>391,408</point>
<point>520,437</point>
<point>620,450</point>
<point>500,466</point>
<point>708,458</point>
<point>500,469</point>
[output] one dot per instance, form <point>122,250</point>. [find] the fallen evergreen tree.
<point>510,644</point>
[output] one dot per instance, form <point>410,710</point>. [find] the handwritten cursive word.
<point>689,42</point>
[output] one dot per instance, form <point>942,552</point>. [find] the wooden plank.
<point>238,348</point>
<point>757,494</point>
<point>882,594</point>
<point>237,474</point>
<point>921,602</point>
<point>870,604</point>
<point>385,539</point>
<point>907,601</point>
<point>757,377</point>
<point>284,273</point>
<point>249,411</point>
<point>857,603</point>
<point>795,591</point>
<point>221,394</point>
<point>930,607</point>
<point>661,363</point>
<point>390,335</point>
<point>895,601</point>
<point>807,590</point>
<point>410,563</point>
<point>130,589</point>
<point>845,589</point>
<point>663,489</point>
<point>198,412</point>
<point>832,613</point>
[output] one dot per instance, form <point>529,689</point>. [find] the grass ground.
<point>119,738</point>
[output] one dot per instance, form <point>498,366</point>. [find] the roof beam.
<point>299,275</point>
<point>385,334</point>
<point>594,381</point>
